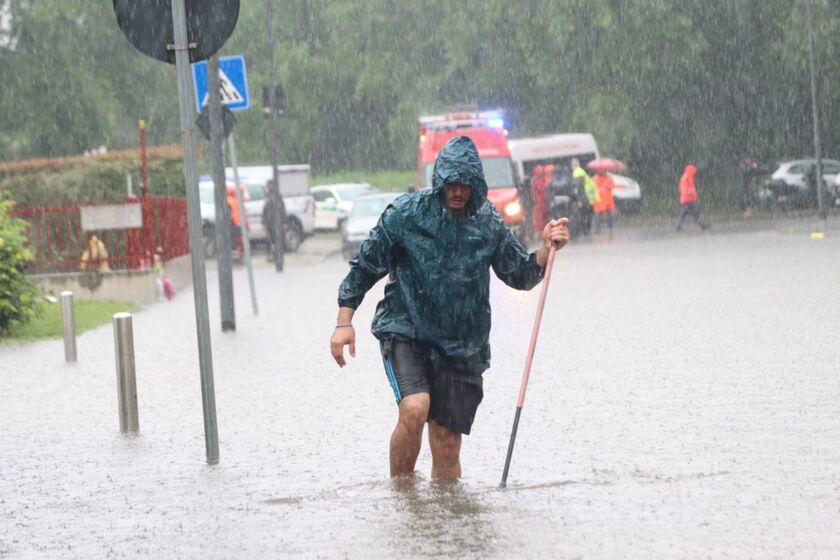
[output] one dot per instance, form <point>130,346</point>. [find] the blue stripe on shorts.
<point>389,369</point>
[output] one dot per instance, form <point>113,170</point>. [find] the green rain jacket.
<point>588,184</point>
<point>439,265</point>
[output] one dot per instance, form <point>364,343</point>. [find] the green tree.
<point>658,82</point>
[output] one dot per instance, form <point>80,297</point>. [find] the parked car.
<point>836,192</point>
<point>787,184</point>
<point>253,196</point>
<point>333,203</point>
<point>294,186</point>
<point>628,195</point>
<point>362,218</point>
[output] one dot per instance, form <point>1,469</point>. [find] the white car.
<point>836,192</point>
<point>628,195</point>
<point>364,215</point>
<point>333,203</point>
<point>793,172</point>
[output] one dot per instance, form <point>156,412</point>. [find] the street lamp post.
<point>823,211</point>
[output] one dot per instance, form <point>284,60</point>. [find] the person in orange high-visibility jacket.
<point>688,198</point>
<point>235,219</point>
<point>605,207</point>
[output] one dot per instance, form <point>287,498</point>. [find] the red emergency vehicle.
<point>487,131</point>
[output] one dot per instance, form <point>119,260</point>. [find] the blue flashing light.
<point>496,122</point>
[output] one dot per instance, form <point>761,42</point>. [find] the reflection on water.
<point>412,516</point>
<point>442,517</point>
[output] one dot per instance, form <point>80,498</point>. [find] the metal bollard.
<point>126,379</point>
<point>68,318</point>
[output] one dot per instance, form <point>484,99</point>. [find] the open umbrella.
<point>611,165</point>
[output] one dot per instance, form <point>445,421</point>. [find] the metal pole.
<point>823,211</point>
<point>279,238</point>
<point>224,243</point>
<point>126,378</point>
<point>208,391</point>
<point>243,218</point>
<point>148,214</point>
<point>144,169</point>
<point>68,318</point>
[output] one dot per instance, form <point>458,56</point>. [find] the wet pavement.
<point>684,402</point>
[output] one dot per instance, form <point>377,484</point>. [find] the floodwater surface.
<point>684,402</point>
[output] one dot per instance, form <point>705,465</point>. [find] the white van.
<point>559,150</point>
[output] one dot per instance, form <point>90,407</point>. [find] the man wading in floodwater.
<point>433,324</point>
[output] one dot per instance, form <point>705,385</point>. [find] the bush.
<point>95,180</point>
<point>18,296</point>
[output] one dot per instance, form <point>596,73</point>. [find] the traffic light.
<point>277,102</point>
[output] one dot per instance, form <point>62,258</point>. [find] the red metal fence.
<point>58,242</point>
<point>171,232</point>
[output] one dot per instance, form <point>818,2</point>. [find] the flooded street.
<point>684,402</point>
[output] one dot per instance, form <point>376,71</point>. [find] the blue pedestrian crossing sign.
<point>233,83</point>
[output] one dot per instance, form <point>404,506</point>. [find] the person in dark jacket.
<point>269,220</point>
<point>437,246</point>
<point>810,178</point>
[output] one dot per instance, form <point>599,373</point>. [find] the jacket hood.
<point>690,169</point>
<point>458,162</point>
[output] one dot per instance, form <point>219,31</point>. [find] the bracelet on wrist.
<point>343,326</point>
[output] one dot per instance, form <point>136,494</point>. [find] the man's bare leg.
<point>408,433</point>
<point>446,451</point>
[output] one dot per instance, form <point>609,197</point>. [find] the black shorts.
<point>454,395</point>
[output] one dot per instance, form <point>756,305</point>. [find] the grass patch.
<point>89,315</point>
<point>389,181</point>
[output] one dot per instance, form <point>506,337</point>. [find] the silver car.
<point>362,218</point>
<point>787,184</point>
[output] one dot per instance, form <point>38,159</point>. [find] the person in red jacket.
<point>541,207</point>
<point>539,184</point>
<point>688,198</point>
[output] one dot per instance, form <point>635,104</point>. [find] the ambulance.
<point>487,130</point>
<point>559,150</point>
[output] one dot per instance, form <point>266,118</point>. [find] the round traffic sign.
<point>147,24</point>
